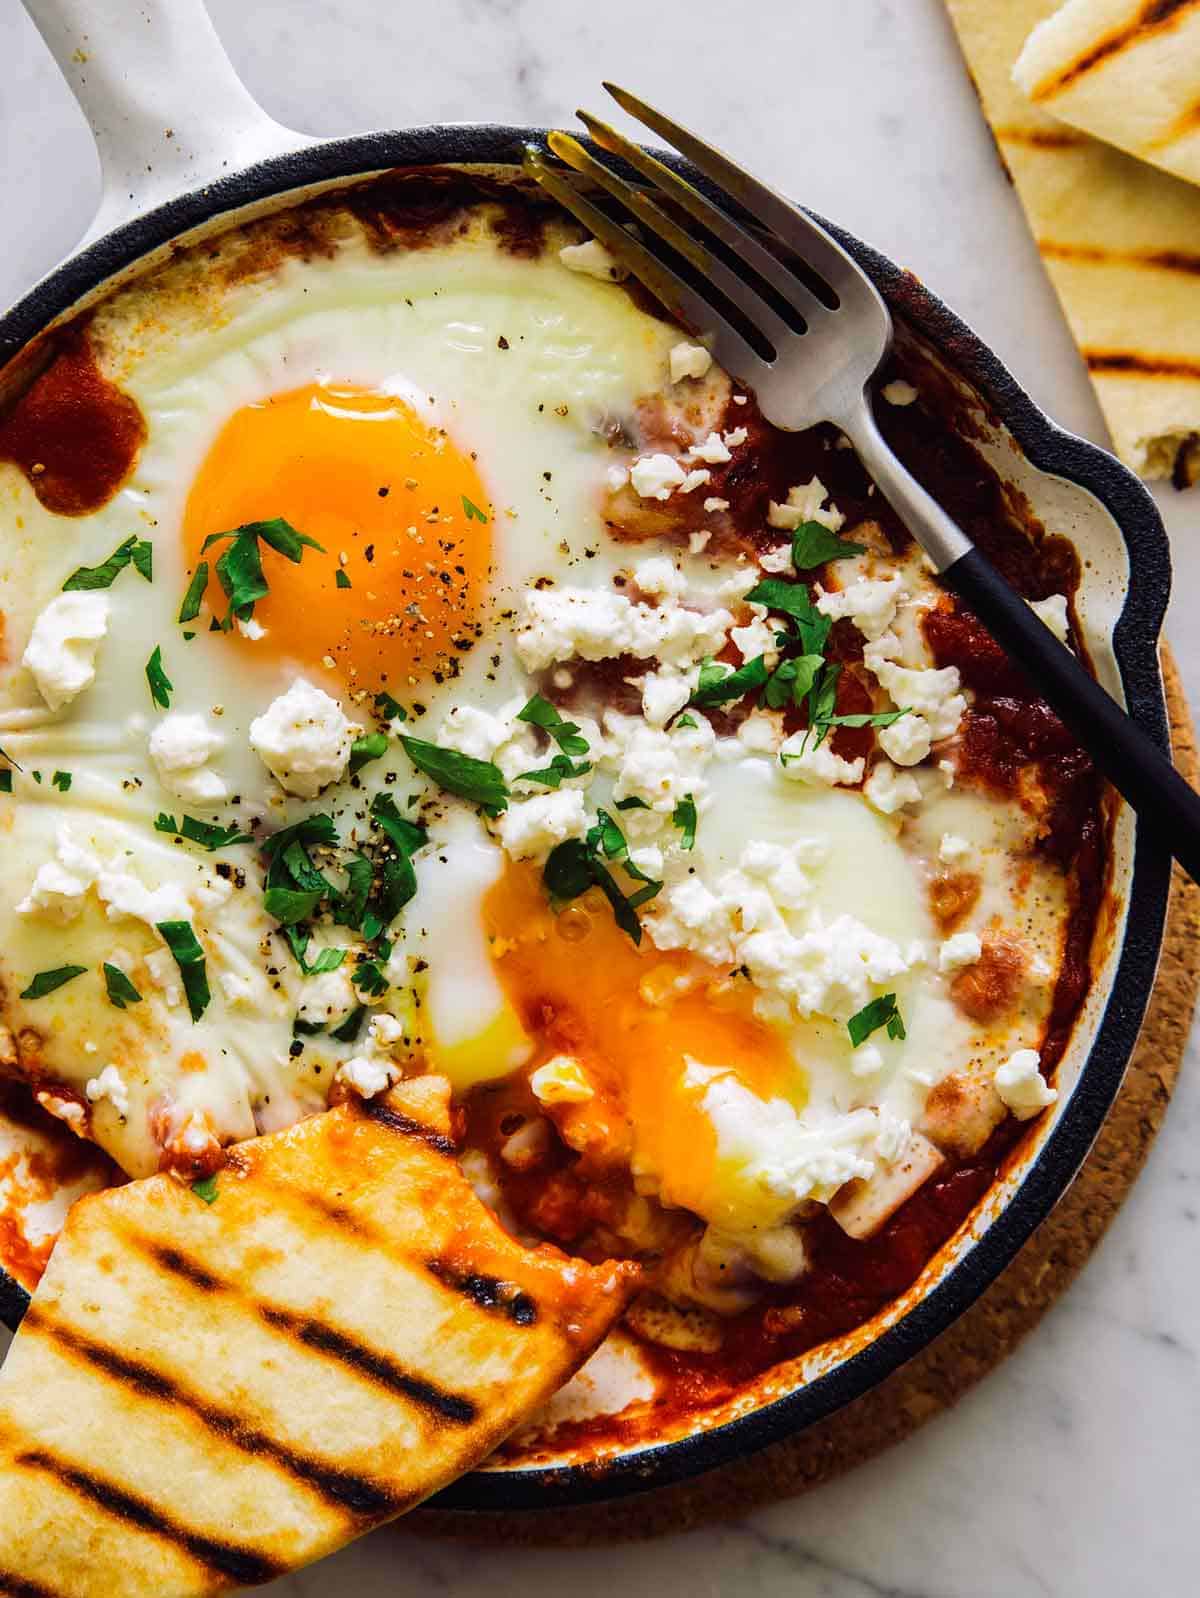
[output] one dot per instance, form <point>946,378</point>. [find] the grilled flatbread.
<point>1127,71</point>
<point>205,1395</point>
<point>1119,240</point>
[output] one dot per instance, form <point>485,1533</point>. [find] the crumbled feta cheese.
<point>60,887</point>
<point>761,733</point>
<point>803,759</point>
<point>180,747</point>
<point>715,504</point>
<point>805,503</point>
<point>698,541</point>
<point>561,1081</point>
<point>593,260</point>
<point>616,477</point>
<point>898,392</point>
<point>328,995</point>
<point>1021,1085</point>
<point>596,624</point>
<point>689,360</point>
<point>123,894</point>
<point>777,560</point>
<point>890,790</point>
<point>1053,612</point>
<point>828,970</point>
<point>867,1060</point>
<point>953,850</point>
<point>530,828</point>
<point>110,1085</point>
<point>713,450</point>
<point>932,694</point>
<point>368,1075</point>
<point>61,652</point>
<point>964,948</point>
<point>906,741</point>
<point>384,1031</point>
<point>870,604</point>
<point>656,476</point>
<point>250,627</point>
<point>664,694</point>
<point>475,732</point>
<point>736,438</point>
<point>239,991</point>
<point>694,480</point>
<point>658,767</point>
<point>303,739</point>
<point>163,972</point>
<point>660,576</point>
<point>756,638</point>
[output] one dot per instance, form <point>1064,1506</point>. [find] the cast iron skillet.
<point>1046,446</point>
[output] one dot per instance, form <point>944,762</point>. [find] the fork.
<point>807,339</point>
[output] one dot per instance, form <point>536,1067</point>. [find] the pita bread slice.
<point>205,1395</point>
<point>1127,71</point>
<point>1120,240</point>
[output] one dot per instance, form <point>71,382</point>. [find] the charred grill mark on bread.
<point>1041,138</point>
<point>1097,255</point>
<point>369,1363</point>
<point>13,1586</point>
<point>384,1115</point>
<point>1131,363</point>
<point>1153,17</point>
<point>241,1564</point>
<point>486,1292</point>
<point>341,1487</point>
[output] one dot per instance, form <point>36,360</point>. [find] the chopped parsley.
<point>390,708</point>
<point>47,981</point>
<point>347,1031</point>
<point>632,803</point>
<point>541,713</point>
<point>553,774</point>
<point>371,746</point>
<point>881,1012</point>
<point>369,979</point>
<point>6,779</point>
<point>473,512</point>
<point>684,817</point>
<point>181,939</point>
<point>190,608</point>
<point>814,544</point>
<point>206,1189</point>
<point>62,781</point>
<point>791,680</point>
<point>205,833</point>
<point>718,683</point>
<point>683,721</point>
<point>576,865</point>
<point>398,880</point>
<point>341,580</point>
<point>134,549</point>
<point>350,905</point>
<point>794,601</point>
<point>119,988</point>
<point>478,781</point>
<point>161,686</point>
<point>239,569</point>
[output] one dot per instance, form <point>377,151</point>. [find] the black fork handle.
<point>1131,761</point>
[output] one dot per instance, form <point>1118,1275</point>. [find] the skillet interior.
<point>1129,614</point>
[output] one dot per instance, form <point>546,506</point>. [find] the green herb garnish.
<point>791,680</point>
<point>390,708</point>
<point>576,865</point>
<point>180,938</point>
<point>793,600</point>
<point>632,803</point>
<point>684,817</point>
<point>369,979</point>
<point>133,549</point>
<point>473,511</point>
<point>62,781</point>
<point>718,683</point>
<point>478,781</point>
<point>6,779</point>
<point>205,833</point>
<point>289,905</point>
<point>341,580</point>
<point>119,988</point>
<point>684,721</point>
<point>553,774</point>
<point>206,1189</point>
<point>881,1012</point>
<point>190,608</point>
<point>347,1031</point>
<point>239,570</point>
<point>813,544</point>
<point>398,880</point>
<point>161,686</point>
<point>369,747</point>
<point>541,713</point>
<point>47,981</point>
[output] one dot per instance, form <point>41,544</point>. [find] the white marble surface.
<point>1075,1469</point>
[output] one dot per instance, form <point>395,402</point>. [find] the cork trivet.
<point>977,1342</point>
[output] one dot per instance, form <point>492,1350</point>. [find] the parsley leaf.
<point>718,684</point>
<point>119,988</point>
<point>369,747</point>
<point>794,600</point>
<point>398,880</point>
<point>633,802</point>
<point>473,511</point>
<point>133,549</point>
<point>341,580</point>
<point>239,570</point>
<point>684,817</point>
<point>205,833</point>
<point>791,680</point>
<point>289,905</point>
<point>541,713</point>
<point>62,781</point>
<point>190,608</point>
<point>327,960</point>
<point>390,708</point>
<point>347,1031</point>
<point>575,865</point>
<point>47,981</point>
<point>813,544</point>
<point>181,939</point>
<point>350,906</point>
<point>369,979</point>
<point>881,1012</point>
<point>161,686</point>
<point>6,779</point>
<point>554,773</point>
<point>206,1189</point>
<point>313,829</point>
<point>683,721</point>
<point>478,781</point>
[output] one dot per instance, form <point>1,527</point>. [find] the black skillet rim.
<point>1135,647</point>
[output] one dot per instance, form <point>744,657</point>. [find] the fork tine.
<point>699,206</point>
<point>776,214</point>
<point>652,215</point>
<point>730,348</point>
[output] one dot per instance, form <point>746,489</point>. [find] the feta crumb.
<point>906,741</point>
<point>250,628</point>
<point>963,949</point>
<point>889,790</point>
<point>304,739</point>
<point>61,652</point>
<point>715,504</point>
<point>238,990</point>
<point>1053,612</point>
<point>756,638</point>
<point>664,694</point>
<point>804,760</point>
<point>736,438</point>
<point>616,477</point>
<point>109,1085</point>
<point>60,887</point>
<point>163,973</point>
<point>689,360</point>
<point>125,895</point>
<point>867,1060</point>
<point>180,747</point>
<point>561,1081</point>
<point>593,260</point>
<point>368,1075</point>
<point>530,828</point>
<point>698,541</point>
<point>805,503</point>
<point>1021,1085</point>
<point>694,480</point>
<point>870,603</point>
<point>713,450</point>
<point>658,767</point>
<point>656,476</point>
<point>659,576</point>
<point>596,624</point>
<point>898,392</point>
<point>953,850</point>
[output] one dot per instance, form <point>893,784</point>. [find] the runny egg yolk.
<point>371,480</point>
<point>581,987</point>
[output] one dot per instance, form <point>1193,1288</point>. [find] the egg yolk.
<point>582,987</point>
<point>399,511</point>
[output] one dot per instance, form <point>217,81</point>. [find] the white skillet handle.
<point>167,109</point>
